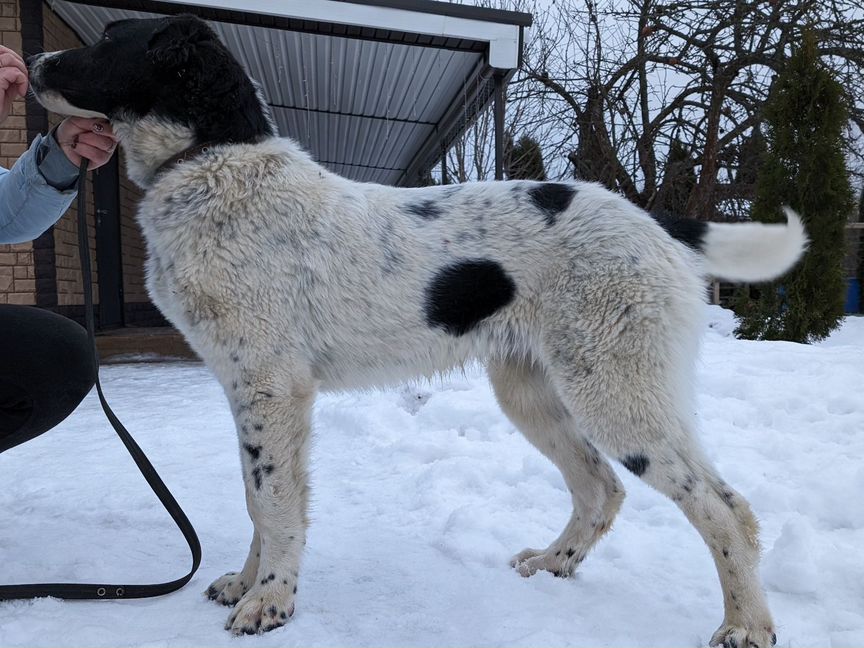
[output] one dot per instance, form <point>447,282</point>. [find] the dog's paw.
<point>265,607</point>
<point>228,589</point>
<point>733,636</point>
<point>560,562</point>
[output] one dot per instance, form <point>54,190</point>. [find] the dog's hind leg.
<point>529,400</point>
<point>273,421</point>
<point>228,589</point>
<point>627,381</point>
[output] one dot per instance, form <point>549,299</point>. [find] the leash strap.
<point>105,590</point>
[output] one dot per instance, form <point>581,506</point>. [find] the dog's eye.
<point>105,37</point>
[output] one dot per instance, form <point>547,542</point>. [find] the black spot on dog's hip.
<point>461,295</point>
<point>637,464</point>
<point>551,198</point>
<point>687,230</point>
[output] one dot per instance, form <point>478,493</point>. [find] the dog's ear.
<point>174,42</point>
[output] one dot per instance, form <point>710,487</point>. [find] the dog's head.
<point>170,70</point>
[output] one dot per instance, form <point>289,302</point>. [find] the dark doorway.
<point>109,258</point>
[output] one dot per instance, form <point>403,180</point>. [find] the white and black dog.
<point>288,279</point>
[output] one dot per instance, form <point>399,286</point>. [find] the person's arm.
<point>39,188</point>
<point>36,192</point>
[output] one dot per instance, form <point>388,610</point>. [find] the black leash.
<point>104,590</point>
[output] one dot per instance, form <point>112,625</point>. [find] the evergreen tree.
<point>750,157</point>
<point>804,167</point>
<point>859,234</point>
<point>679,179</point>
<point>594,159</point>
<point>426,179</point>
<point>524,160</point>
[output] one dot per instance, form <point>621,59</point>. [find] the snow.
<point>421,495</point>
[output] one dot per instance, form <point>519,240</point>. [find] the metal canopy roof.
<point>374,89</point>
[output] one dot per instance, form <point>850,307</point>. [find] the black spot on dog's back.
<point>636,464</point>
<point>551,198</point>
<point>687,230</point>
<point>426,209</point>
<point>461,295</point>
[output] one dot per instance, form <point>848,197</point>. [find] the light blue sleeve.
<point>28,204</point>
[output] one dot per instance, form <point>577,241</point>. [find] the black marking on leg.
<point>636,464</point>
<point>295,589</point>
<point>461,295</point>
<point>727,497</point>
<point>551,198</point>
<point>689,481</point>
<point>256,475</point>
<point>689,231</point>
<point>272,611</point>
<point>253,450</point>
<point>726,555</point>
<point>258,427</point>
<point>570,552</point>
<point>426,209</point>
<point>283,615</point>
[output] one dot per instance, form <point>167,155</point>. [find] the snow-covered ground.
<point>421,495</point>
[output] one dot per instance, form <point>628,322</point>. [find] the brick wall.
<point>17,278</point>
<point>70,291</point>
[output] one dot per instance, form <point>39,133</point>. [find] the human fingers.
<point>12,60</point>
<point>13,82</point>
<point>83,147</point>
<point>72,128</point>
<point>98,140</point>
<point>83,124</point>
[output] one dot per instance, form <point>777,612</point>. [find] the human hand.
<point>88,138</point>
<point>13,80</point>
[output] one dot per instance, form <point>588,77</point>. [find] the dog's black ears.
<point>175,41</point>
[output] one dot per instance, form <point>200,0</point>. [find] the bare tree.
<point>617,83</point>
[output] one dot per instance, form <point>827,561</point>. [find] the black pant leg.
<point>46,369</point>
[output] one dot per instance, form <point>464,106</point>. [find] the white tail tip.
<point>754,251</point>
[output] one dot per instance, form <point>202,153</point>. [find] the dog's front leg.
<point>273,423</point>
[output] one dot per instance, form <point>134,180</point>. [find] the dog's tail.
<point>745,251</point>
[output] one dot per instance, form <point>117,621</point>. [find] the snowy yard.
<point>420,497</point>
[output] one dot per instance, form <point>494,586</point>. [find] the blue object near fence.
<point>853,295</point>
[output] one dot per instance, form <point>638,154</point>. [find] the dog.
<point>288,279</point>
